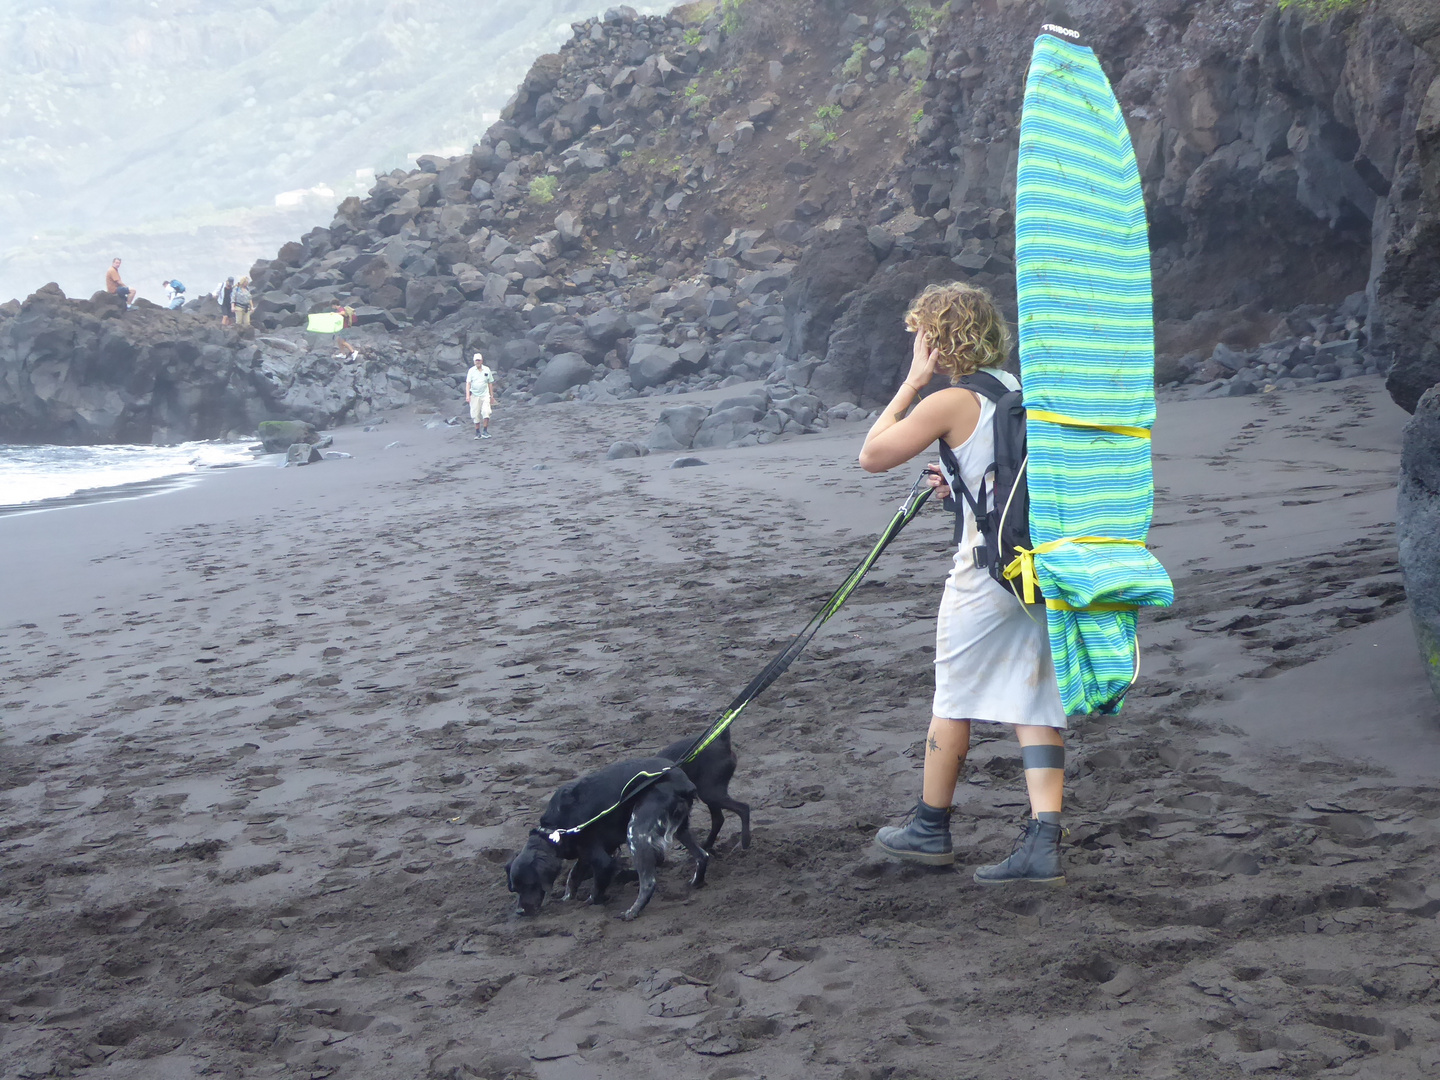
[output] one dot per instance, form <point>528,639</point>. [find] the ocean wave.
<point>38,474</point>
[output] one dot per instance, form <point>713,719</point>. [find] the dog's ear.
<point>564,799</point>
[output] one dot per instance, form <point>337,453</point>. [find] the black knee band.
<point>1042,757</point>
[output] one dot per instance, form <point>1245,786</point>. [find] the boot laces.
<point>1020,837</point>
<point>914,812</point>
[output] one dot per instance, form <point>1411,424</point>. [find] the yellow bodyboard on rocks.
<point>326,323</point>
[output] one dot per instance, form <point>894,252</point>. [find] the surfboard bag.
<point>1087,362</point>
<point>326,323</point>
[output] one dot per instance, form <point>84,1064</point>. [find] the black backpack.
<point>1002,513</point>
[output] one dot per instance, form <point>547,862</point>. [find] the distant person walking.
<point>346,313</point>
<point>479,393</point>
<point>225,294</point>
<point>174,294</point>
<point>242,302</point>
<point>117,287</point>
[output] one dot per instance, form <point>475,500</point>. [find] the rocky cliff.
<point>671,202</point>
<point>83,371</point>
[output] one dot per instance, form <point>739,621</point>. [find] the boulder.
<point>571,338</point>
<point>561,373</point>
<point>651,365</point>
<point>676,428</point>
<point>278,436</point>
<point>770,279</point>
<point>422,297</point>
<point>367,315</point>
<point>303,454</point>
<point>725,426</point>
<point>529,264</point>
<point>621,450</point>
<point>607,326</point>
<point>1227,357</point>
<point>687,462</point>
<point>567,224</point>
<point>519,353</point>
<point>1418,527</point>
<point>496,286</point>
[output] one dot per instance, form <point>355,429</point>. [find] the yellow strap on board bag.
<point>1070,421</point>
<point>1023,565</point>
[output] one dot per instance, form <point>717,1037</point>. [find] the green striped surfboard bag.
<point>1087,364</point>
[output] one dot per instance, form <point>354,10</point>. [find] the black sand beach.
<point>268,742</point>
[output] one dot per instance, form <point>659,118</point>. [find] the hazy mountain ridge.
<point>164,132</point>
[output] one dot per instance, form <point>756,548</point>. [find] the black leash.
<point>919,492</point>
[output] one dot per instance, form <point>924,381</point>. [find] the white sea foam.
<point>38,474</point>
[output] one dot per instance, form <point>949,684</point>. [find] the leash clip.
<point>554,837</point>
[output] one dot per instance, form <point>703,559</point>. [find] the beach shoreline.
<point>40,477</point>
<point>269,740</point>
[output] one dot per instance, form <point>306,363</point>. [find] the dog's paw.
<point>631,915</point>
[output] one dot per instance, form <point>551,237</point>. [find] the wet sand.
<point>268,741</point>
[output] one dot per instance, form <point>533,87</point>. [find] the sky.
<point>189,142</point>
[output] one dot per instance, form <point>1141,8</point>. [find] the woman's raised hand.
<point>922,363</point>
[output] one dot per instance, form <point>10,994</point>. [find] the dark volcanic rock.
<point>676,427</point>
<point>651,365</point>
<point>1418,525</point>
<point>279,435</point>
<point>303,454</point>
<point>75,372</point>
<point>870,348</point>
<point>78,372</point>
<point>563,372</point>
<point>834,266</point>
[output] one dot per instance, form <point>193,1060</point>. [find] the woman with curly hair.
<point>992,656</point>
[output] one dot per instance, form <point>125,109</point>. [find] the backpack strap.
<point>992,389</point>
<point>950,466</point>
<point>984,384</point>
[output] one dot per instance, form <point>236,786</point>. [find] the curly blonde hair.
<point>965,330</point>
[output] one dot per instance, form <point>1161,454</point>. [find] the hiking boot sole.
<point>942,858</point>
<point>1052,882</point>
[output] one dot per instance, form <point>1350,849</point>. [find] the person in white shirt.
<point>479,394</point>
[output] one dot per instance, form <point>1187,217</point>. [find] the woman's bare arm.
<point>949,414</point>
<point>895,438</point>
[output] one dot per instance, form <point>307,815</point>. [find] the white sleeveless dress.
<point>992,655</point>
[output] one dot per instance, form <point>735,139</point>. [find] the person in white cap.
<point>479,394</point>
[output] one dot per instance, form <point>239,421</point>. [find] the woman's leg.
<point>1036,857</point>
<point>925,838</point>
<point>945,748</point>
<point>1042,751</point>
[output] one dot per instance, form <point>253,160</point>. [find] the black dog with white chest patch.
<point>647,820</point>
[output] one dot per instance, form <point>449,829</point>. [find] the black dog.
<point>711,772</point>
<point>647,820</point>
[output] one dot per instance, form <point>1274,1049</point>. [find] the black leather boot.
<point>925,838</point>
<point>1036,857</point>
